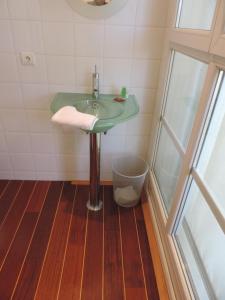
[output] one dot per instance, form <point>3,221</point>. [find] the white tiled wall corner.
<point>127,51</point>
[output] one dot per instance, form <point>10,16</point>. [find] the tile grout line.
<point>85,244</point>
<point>139,246</point>
<point>49,239</point>
<point>67,240</point>
<point>17,228</point>
<point>14,198</point>
<point>103,242</point>
<point>121,248</point>
<point>30,241</point>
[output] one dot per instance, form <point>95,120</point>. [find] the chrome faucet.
<point>95,84</point>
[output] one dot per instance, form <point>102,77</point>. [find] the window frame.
<point>200,45</point>
<point>217,46</point>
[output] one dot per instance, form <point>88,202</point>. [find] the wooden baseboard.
<point>159,273</point>
<point>86,182</point>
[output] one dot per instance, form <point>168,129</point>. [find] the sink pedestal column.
<point>94,203</point>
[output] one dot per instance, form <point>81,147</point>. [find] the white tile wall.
<point>127,50</point>
<point>3,9</point>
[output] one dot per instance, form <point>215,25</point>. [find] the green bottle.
<point>123,92</point>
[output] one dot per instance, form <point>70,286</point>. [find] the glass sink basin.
<point>109,112</point>
<point>102,109</point>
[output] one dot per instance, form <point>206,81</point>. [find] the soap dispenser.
<point>95,84</point>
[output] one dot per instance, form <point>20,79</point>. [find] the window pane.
<point>196,14</point>
<point>186,82</point>
<point>211,163</point>
<point>167,168</point>
<point>202,244</point>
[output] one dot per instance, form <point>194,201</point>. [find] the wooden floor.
<point>51,247</point>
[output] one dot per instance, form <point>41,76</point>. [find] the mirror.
<point>97,9</point>
<point>97,2</point>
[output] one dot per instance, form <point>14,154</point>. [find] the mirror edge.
<point>96,12</point>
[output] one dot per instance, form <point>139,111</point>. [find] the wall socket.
<point>28,58</point>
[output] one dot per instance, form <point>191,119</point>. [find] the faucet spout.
<point>95,84</point>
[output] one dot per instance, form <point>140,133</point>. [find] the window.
<point>210,166</point>
<point>184,88</point>
<point>202,245</point>
<point>167,168</point>
<point>196,14</point>
<point>187,171</point>
<point>184,91</point>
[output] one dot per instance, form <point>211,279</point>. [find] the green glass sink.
<point>106,109</point>
<point>102,109</point>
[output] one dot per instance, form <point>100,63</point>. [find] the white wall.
<point>127,50</point>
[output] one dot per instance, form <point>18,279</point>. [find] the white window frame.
<point>217,46</point>
<point>204,46</point>
<point>201,39</point>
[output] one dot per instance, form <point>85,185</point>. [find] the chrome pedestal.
<point>94,203</point>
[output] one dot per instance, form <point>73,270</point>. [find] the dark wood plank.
<point>36,202</point>
<point>151,284</point>
<point>3,185</point>
<point>12,221</point>
<point>113,273</point>
<point>7,198</point>
<point>28,279</point>
<point>51,273</point>
<point>71,278</point>
<point>133,274</point>
<point>93,264</point>
<point>20,244</point>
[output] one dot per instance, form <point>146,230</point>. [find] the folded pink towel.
<point>68,115</point>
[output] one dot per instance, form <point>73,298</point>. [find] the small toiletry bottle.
<point>123,92</point>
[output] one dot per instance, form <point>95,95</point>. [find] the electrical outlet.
<point>28,58</point>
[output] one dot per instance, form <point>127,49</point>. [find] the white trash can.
<point>128,179</point>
